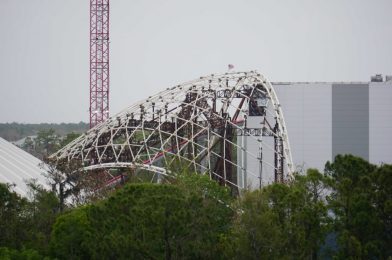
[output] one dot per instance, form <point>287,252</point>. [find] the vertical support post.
<point>276,152</point>
<point>209,150</point>
<point>243,161</point>
<point>282,160</point>
<point>279,155</point>
<point>260,163</point>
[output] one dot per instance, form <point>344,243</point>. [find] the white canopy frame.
<point>195,122</point>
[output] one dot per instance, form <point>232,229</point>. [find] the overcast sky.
<point>44,48</point>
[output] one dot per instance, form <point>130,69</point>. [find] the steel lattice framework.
<point>99,61</point>
<point>203,123</point>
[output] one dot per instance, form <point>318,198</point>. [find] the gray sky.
<point>44,48</point>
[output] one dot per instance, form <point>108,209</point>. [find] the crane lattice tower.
<point>99,61</point>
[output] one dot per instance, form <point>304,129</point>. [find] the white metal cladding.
<point>310,120</point>
<point>183,122</point>
<point>18,166</point>
<point>380,122</point>
<point>308,112</point>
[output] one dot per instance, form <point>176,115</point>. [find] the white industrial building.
<point>18,166</point>
<point>324,119</point>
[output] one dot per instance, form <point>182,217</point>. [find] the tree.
<point>282,221</point>
<point>68,138</point>
<point>47,142</point>
<point>211,213</point>
<point>145,220</point>
<point>71,235</point>
<point>382,201</point>
<point>30,254</point>
<point>28,145</point>
<point>256,233</point>
<point>65,178</point>
<point>312,213</point>
<point>42,209</point>
<point>12,213</point>
<point>73,185</point>
<point>25,224</point>
<point>359,200</point>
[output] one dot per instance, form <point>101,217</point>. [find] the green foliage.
<point>73,185</point>
<point>70,236</point>
<point>186,220</point>
<point>69,138</point>
<point>47,142</point>
<point>26,254</point>
<point>26,223</point>
<point>210,208</point>
<point>282,221</point>
<point>43,209</point>
<point>12,212</point>
<point>382,202</point>
<point>190,216</point>
<point>42,140</point>
<point>16,131</point>
<point>361,193</point>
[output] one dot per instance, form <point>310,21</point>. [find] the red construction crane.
<point>99,61</point>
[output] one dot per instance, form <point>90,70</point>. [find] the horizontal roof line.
<point>326,82</point>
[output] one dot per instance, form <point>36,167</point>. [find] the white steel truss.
<point>199,122</point>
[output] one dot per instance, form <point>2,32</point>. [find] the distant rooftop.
<point>377,78</point>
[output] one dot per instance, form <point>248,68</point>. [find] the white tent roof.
<point>17,166</point>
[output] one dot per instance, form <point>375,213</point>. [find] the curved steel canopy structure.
<point>204,123</point>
